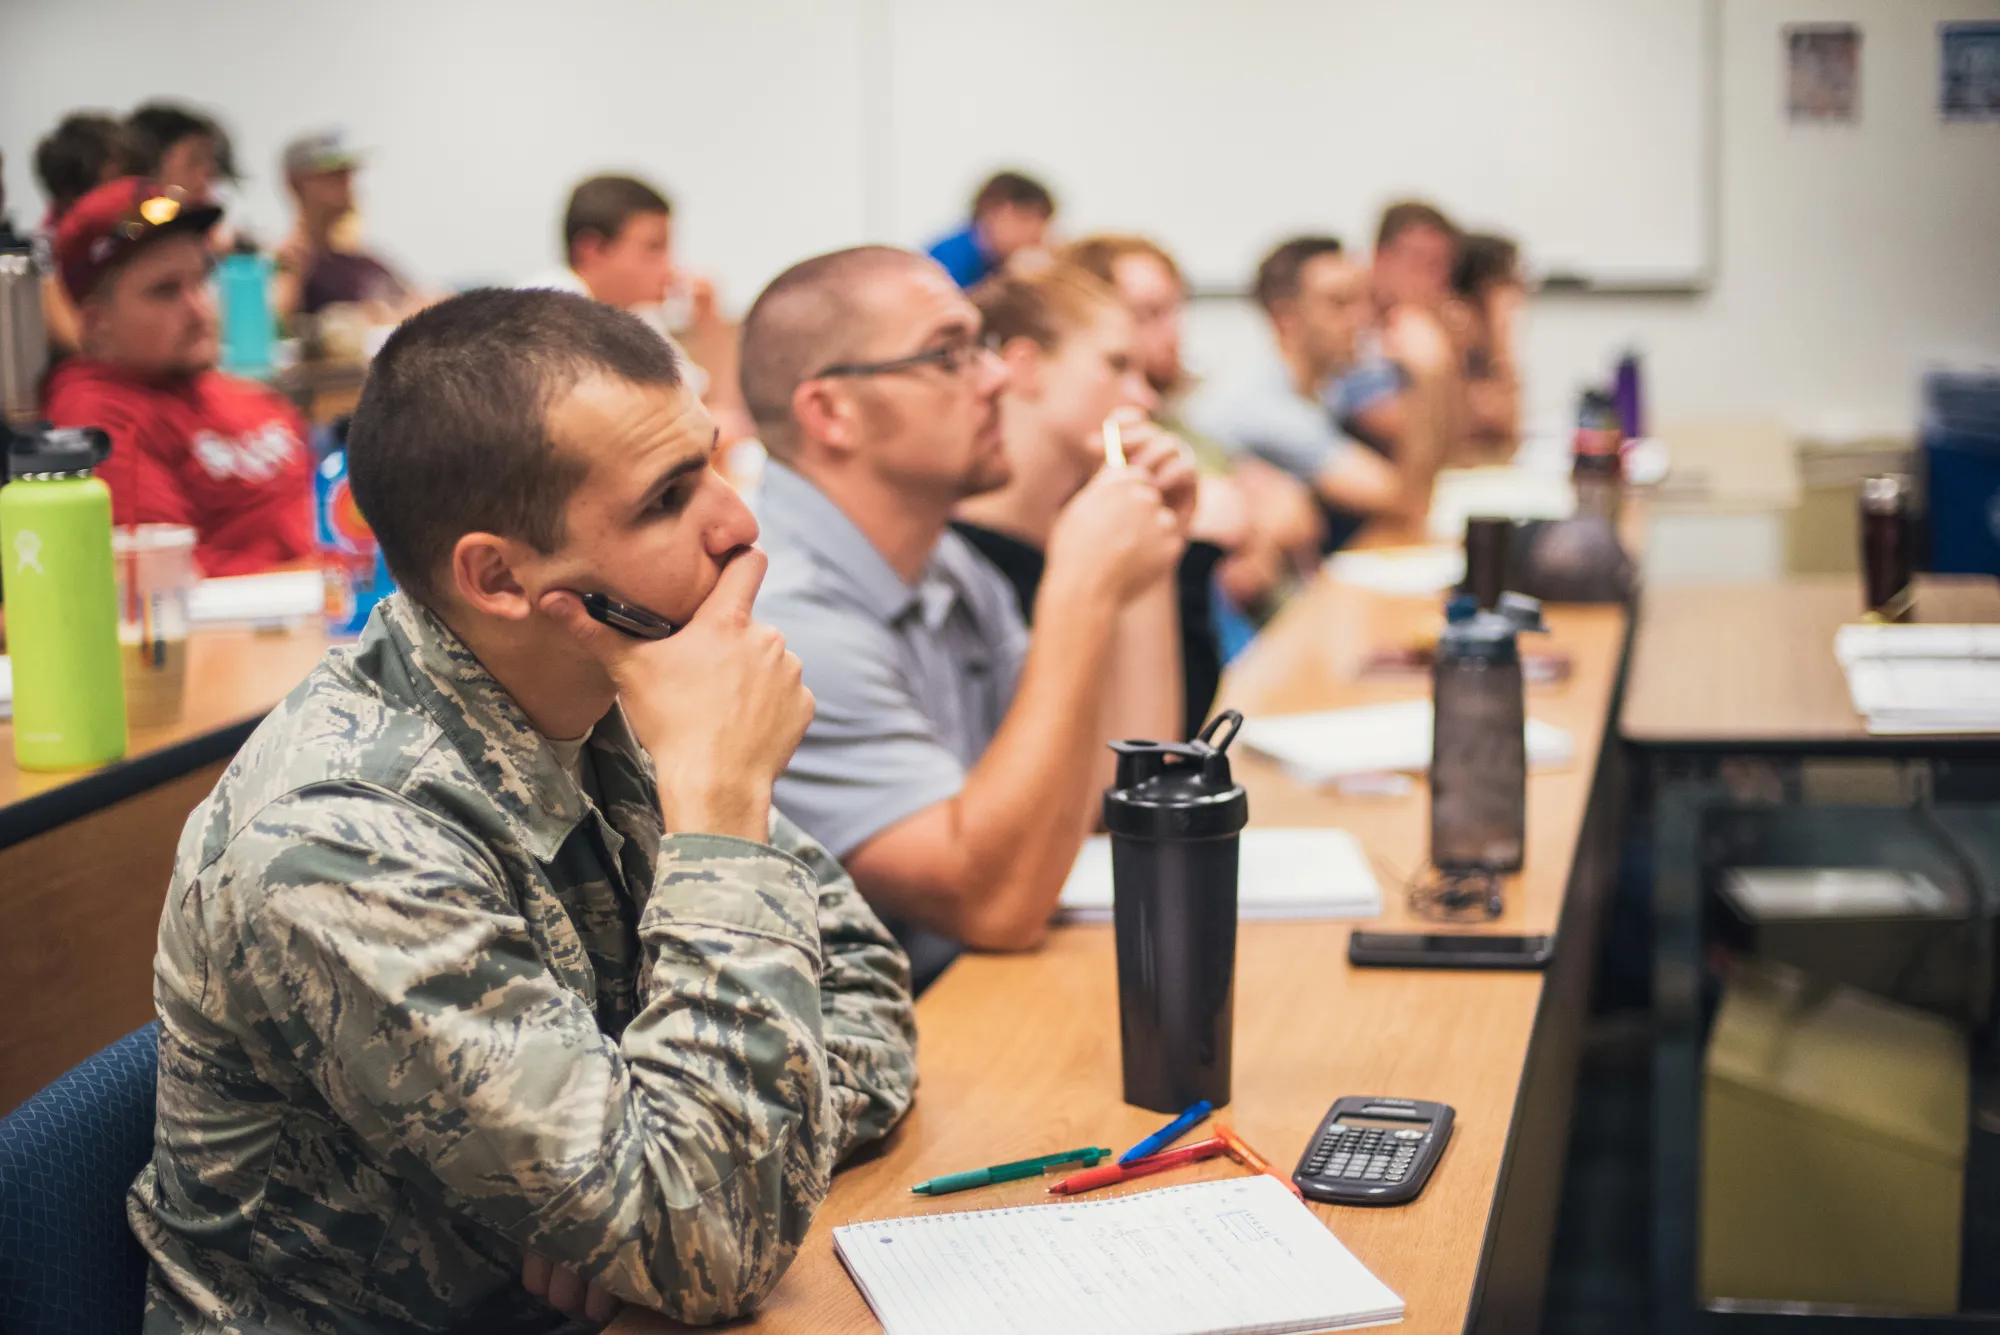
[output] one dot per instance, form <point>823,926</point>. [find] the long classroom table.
<point>1018,1054</point>
<point>85,856</point>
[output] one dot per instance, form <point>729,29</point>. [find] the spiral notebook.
<point>1231,1257</point>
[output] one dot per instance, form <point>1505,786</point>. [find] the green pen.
<point>1008,1172</point>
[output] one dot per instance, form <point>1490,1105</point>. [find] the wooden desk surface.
<point>86,855</point>
<point>1751,665</point>
<point>1019,1054</point>
<point>234,677</point>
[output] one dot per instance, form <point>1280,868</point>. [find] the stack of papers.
<point>1281,875</point>
<point>1922,680</point>
<point>1211,1258</point>
<point>284,598</point>
<point>1413,571</point>
<point>1320,748</point>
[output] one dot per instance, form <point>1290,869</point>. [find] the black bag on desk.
<point>1574,560</point>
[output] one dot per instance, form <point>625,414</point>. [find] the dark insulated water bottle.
<point>1174,815</point>
<point>1479,755</point>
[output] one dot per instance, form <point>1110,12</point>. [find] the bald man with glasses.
<point>954,764</point>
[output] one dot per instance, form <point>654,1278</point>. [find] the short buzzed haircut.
<point>451,436</point>
<point>807,319</point>
<point>604,204</point>
<point>1409,214</point>
<point>1278,276</point>
<point>1016,188</point>
<point>1101,252</point>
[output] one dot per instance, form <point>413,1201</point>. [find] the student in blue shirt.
<point>1010,214</point>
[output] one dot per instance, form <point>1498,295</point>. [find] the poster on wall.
<point>1823,72</point>
<point>1969,71</point>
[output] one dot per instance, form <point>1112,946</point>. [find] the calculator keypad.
<point>1364,1157</point>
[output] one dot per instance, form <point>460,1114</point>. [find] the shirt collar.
<point>524,779</point>
<point>799,514</point>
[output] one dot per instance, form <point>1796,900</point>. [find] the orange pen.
<point>1252,1160</point>
<point>1090,1179</point>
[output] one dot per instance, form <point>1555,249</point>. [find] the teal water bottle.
<point>243,283</point>
<point>62,601</point>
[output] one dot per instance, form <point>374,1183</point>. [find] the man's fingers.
<point>566,1291</point>
<point>599,1303</point>
<point>535,1275</point>
<point>735,592</point>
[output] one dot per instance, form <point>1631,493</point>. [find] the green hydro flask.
<point>62,601</point>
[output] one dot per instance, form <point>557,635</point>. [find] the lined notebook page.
<point>1237,1255</point>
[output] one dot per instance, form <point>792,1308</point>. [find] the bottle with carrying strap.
<point>55,549</point>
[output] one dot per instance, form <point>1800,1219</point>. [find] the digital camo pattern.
<point>424,1008</point>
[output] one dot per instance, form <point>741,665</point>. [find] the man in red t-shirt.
<point>189,445</point>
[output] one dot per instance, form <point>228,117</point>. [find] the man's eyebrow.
<point>680,468</point>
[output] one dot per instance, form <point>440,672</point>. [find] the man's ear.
<point>1284,317</point>
<point>826,415</point>
<point>587,249</point>
<point>1024,367</point>
<point>483,577</point>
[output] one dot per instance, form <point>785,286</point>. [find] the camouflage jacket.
<point>426,1007</point>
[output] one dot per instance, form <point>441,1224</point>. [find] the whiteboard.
<point>481,115</point>
<point>783,128</point>
<point>1580,127</point>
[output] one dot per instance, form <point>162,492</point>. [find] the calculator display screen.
<point>1378,1123</point>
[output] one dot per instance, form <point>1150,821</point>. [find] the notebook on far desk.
<point>1227,1257</point>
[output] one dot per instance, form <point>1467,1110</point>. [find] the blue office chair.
<point>68,1261</point>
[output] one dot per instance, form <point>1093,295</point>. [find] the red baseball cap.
<point>106,226</point>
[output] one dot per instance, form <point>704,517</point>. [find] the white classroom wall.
<point>1846,257</point>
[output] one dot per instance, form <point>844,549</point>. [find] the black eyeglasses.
<point>951,358</point>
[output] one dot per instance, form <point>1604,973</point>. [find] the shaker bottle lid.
<point>1489,636</point>
<point>1178,790</point>
<point>57,450</point>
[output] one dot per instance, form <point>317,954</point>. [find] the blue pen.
<point>1167,1134</point>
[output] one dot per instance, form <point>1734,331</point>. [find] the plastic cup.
<point>156,578</point>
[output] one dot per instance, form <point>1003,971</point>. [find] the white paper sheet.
<point>1413,571</point>
<point>1922,680</point>
<point>1209,1258</point>
<point>1511,493</point>
<point>1319,748</point>
<point>285,597</point>
<point>1282,875</point>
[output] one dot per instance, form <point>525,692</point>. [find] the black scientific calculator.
<point>1373,1151</point>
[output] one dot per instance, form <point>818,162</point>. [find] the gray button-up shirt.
<point>911,680</point>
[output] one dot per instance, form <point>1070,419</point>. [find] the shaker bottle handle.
<point>1207,734</point>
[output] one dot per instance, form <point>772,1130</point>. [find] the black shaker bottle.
<point>1174,816</point>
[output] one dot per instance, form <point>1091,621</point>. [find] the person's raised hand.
<point>1116,536</point>
<point>1415,338</point>
<point>1165,460</point>
<point>720,705</point>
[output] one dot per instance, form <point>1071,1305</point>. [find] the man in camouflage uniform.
<point>492,990</point>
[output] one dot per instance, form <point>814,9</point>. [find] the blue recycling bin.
<point>1961,443</point>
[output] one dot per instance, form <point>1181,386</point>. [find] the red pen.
<point>1249,1158</point>
<point>1090,1179</point>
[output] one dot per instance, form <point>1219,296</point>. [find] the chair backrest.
<point>68,1260</point>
